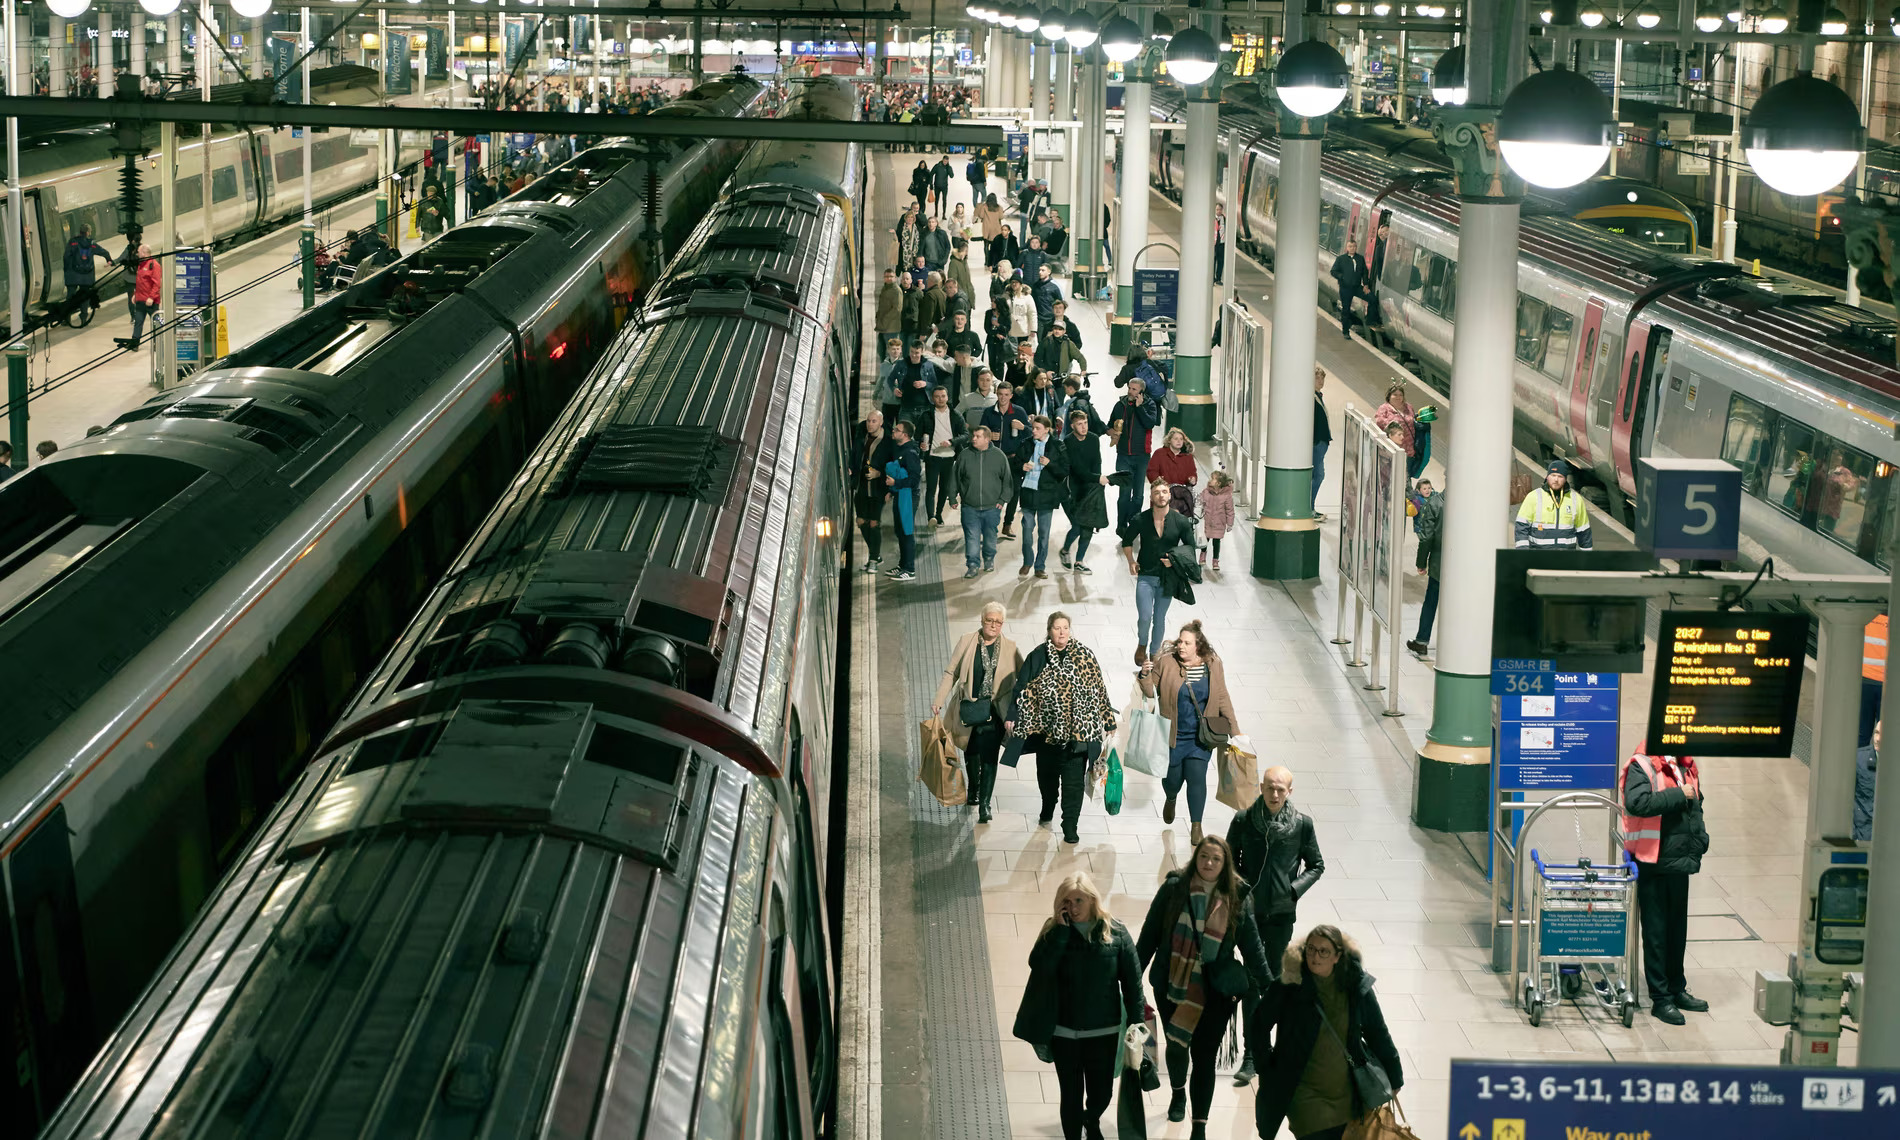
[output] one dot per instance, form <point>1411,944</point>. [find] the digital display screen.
<point>1727,684</point>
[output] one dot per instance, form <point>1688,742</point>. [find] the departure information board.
<point>1727,684</point>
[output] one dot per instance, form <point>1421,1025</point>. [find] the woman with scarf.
<point>910,241</point>
<point>1323,1019</point>
<point>976,687</point>
<point>1198,919</point>
<point>1062,707</point>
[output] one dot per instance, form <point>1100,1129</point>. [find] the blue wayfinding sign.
<point>1558,730</point>
<point>193,270</point>
<point>1532,1100</point>
<point>1157,294</point>
<point>1018,145</point>
<point>1692,508</point>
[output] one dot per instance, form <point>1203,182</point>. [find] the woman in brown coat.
<point>980,680</point>
<point>1192,684</point>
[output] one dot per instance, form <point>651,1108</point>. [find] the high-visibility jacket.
<point>1642,835</point>
<point>1553,522</point>
<point>1873,653</point>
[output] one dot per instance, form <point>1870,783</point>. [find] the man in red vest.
<point>1663,830</point>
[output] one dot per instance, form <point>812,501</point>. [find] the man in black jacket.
<point>1663,830</point>
<point>940,176</point>
<point>1349,273</point>
<point>1322,435</point>
<point>1275,850</point>
<point>1149,541</point>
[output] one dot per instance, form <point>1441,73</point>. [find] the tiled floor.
<point>1417,902</point>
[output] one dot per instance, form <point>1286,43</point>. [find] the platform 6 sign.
<point>1727,684</point>
<point>1507,1100</point>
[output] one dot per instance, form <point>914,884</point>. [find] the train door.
<point>1237,217</point>
<point>1580,381</point>
<point>54,992</point>
<point>39,254</point>
<point>264,177</point>
<point>1646,360</point>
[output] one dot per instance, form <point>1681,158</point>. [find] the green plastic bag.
<point>1112,789</point>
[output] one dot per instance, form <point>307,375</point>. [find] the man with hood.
<point>1275,850</point>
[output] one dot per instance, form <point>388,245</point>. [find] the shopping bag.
<point>1239,776</point>
<point>1112,789</point>
<point>1386,1123</point>
<point>1151,1051</point>
<point>1131,1108</point>
<point>941,771</point>
<point>1146,749</point>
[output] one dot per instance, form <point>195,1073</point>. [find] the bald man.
<point>1275,850</point>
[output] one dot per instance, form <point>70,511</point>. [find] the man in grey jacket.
<point>983,483</point>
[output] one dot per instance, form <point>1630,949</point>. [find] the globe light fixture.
<point>1544,15</point>
<point>1006,17</point>
<point>1055,24</point>
<point>159,7</point>
<point>1555,129</point>
<point>1834,23</point>
<point>252,9</point>
<point>1708,19</point>
<point>1591,16</point>
<point>1192,57</point>
<point>1343,8</point>
<point>69,9</point>
<point>1311,79</point>
<point>1893,21</point>
<point>1448,77</point>
<point>1803,136</point>
<point>1121,39</point>
<point>1382,9</point>
<point>1647,17</point>
<point>1028,18</point>
<point>1164,27</point>
<point>1081,29</point>
<point>1736,16</point>
<point>1774,21</point>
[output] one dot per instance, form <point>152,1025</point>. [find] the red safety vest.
<point>1642,835</point>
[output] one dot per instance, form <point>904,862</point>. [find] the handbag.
<point>1210,732</point>
<point>1146,747</point>
<point>976,712</point>
<point>940,771</point>
<point>1371,1087</point>
<point>1239,782</point>
<point>1388,1123</point>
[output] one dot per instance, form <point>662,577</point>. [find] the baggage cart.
<point>1583,917</point>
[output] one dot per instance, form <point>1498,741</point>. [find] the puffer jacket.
<point>1281,874</point>
<point>1153,947</point>
<point>1286,1026</point>
<point>1097,984</point>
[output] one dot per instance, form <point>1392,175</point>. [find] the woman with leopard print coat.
<point>1062,706</point>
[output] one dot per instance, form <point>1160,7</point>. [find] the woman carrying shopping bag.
<point>976,688</point>
<point>1192,684</point>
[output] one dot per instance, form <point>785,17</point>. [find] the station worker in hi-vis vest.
<point>1553,516</point>
<point>1664,833</point>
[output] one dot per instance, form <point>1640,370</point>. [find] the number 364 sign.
<point>1688,508</point>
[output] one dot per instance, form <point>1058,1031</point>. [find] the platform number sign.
<point>1688,508</point>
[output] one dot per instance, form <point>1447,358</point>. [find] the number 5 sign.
<point>1688,508</point>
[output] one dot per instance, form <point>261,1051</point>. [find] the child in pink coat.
<point>1217,511</point>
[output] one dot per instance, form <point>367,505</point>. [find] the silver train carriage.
<point>556,873</point>
<point>1797,389</point>
<point>187,600</point>
<point>70,178</point>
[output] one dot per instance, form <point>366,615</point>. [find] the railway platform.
<point>940,912</point>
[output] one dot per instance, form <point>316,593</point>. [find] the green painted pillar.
<point>1121,327</point>
<point>1451,784</point>
<point>1194,350</point>
<point>16,404</point>
<point>1286,535</point>
<point>307,252</point>
<point>1194,391</point>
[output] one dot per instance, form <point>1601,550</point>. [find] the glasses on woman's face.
<point>1321,950</point>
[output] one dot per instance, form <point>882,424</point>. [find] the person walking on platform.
<point>1322,435</point>
<point>1201,915</point>
<point>144,296</point>
<point>1554,517</point>
<point>890,308</point>
<point>1079,466</point>
<point>1664,833</point>
<point>920,187</point>
<point>903,479</point>
<point>1041,491</point>
<point>1129,423</point>
<point>1173,463</point>
<point>871,450</point>
<point>1276,850</point>
<point>82,288</point>
<point>1315,1023</point>
<point>942,429</point>
<point>1866,761</point>
<point>1084,985</point>
<point>978,178</point>
<point>1349,275</point>
<point>1217,512</point>
<point>1150,541</point>
<point>982,482</point>
<point>1062,708</point>
<point>940,176</point>
<point>1192,683</point>
<point>1431,534</point>
<point>982,677</point>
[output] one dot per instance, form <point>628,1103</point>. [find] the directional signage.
<point>1157,293</point>
<point>1688,508</point>
<point>1531,1100</point>
<point>1559,731</point>
<point>1727,684</point>
<point>193,270</point>
<point>1018,145</point>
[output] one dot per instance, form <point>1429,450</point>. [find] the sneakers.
<point>1067,563</point>
<point>1417,647</point>
<point>1042,573</point>
<point>970,573</point>
<point>1177,1105</point>
<point>989,567</point>
<point>901,575</point>
<point>872,565</point>
<point>1083,568</point>
<point>1245,1074</point>
<point>1216,566</point>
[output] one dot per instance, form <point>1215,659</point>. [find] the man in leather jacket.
<point>1276,851</point>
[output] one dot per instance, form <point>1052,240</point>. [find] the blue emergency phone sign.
<point>1533,1100</point>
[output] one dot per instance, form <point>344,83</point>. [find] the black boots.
<point>1177,1105</point>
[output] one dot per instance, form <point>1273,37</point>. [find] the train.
<point>557,869</point>
<point>70,178</point>
<point>1779,377</point>
<point>187,599</point>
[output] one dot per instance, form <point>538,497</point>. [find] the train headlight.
<point>1555,129</point>
<point>1311,79</point>
<point>1448,77</point>
<point>1803,136</point>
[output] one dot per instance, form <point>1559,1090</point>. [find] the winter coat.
<point>1046,293</point>
<point>982,477</point>
<point>1034,258</point>
<point>1182,573</point>
<point>890,308</point>
<point>1217,510</point>
<point>1685,838</point>
<point>911,322</point>
<point>960,675</point>
<point>1280,875</point>
<point>1165,681</point>
<point>1022,316</point>
<point>1010,429</point>
<point>932,308</point>
<point>919,181</point>
<point>1286,1026</point>
<point>1081,984</point>
<point>1056,353</point>
<point>1388,415</point>
<point>1136,420</point>
<point>1155,945</point>
<point>1079,466</point>
<point>1431,526</point>
<point>1179,469</point>
<point>1005,247</point>
<point>1050,490</point>
<point>869,489</point>
<point>935,247</point>
<point>959,271</point>
<point>990,220</point>
<point>145,289</point>
<point>940,175</point>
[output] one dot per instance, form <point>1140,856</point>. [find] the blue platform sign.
<point>1556,1100</point>
<point>192,268</point>
<point>1157,294</point>
<point>1695,75</point>
<point>1018,145</point>
<point>1692,508</point>
<point>1559,730</point>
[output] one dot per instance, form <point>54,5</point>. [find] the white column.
<point>1729,225</point>
<point>1295,293</point>
<point>174,46</point>
<point>136,67</point>
<point>303,45</point>
<point>56,55</point>
<point>1062,185</point>
<point>208,32</point>
<point>1616,101</point>
<point>1039,74</point>
<point>257,49</point>
<point>1131,221</point>
<point>1880,1004</point>
<point>108,76</point>
<point>16,253</point>
<point>167,355</point>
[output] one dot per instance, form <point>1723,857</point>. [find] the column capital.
<point>1470,138</point>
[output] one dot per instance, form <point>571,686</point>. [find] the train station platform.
<point>80,378</point>
<point>940,912</point>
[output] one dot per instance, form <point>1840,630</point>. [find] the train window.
<point>338,667</point>
<point>189,194</point>
<point>1745,443</point>
<point>1332,227</point>
<point>289,163</point>
<point>1841,493</point>
<point>1793,468</point>
<point>1557,329</point>
<point>1421,274</point>
<point>1530,329</point>
<point>1444,299</point>
<point>224,184</point>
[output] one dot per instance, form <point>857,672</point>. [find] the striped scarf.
<point>1199,930</point>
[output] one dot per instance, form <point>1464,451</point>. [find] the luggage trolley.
<point>1583,916</point>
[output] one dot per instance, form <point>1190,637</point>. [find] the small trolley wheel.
<point>1629,1014</point>
<point>1537,1012</point>
<point>1572,984</point>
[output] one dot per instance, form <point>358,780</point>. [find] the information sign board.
<point>1520,675</point>
<point>1157,292</point>
<point>1584,932</point>
<point>1727,684</point>
<point>1558,730</point>
<point>1539,1100</point>
<point>1018,145</point>
<point>192,268</point>
<point>187,338</point>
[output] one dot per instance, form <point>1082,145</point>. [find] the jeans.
<point>1187,764</point>
<point>1220,260</point>
<point>1133,491</point>
<point>906,551</point>
<point>140,311</point>
<point>938,477</point>
<point>1428,613</point>
<point>1199,1057</point>
<point>1060,769</point>
<point>1078,538</point>
<point>1085,1069</point>
<point>1009,504</point>
<point>1319,468</point>
<point>1276,933</point>
<point>1151,613</point>
<point>1036,527</point>
<point>1663,899</point>
<point>979,535</point>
